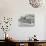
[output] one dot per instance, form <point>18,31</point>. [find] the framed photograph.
<point>27,20</point>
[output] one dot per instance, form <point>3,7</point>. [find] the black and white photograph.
<point>28,20</point>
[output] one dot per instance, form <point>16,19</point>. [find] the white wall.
<point>17,8</point>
